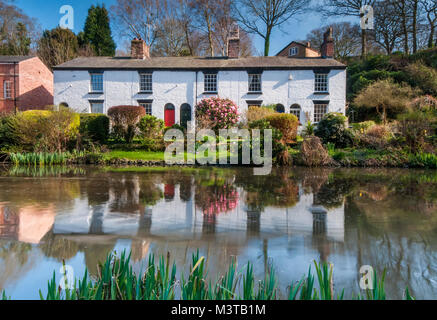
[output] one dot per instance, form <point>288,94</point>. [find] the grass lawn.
<point>134,155</point>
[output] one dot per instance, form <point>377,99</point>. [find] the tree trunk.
<point>363,43</point>
<point>267,42</point>
<point>431,37</point>
<point>210,40</point>
<point>415,9</point>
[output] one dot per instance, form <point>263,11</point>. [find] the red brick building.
<point>25,83</point>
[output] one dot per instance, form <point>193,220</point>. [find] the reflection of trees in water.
<point>277,189</point>
<point>58,247</point>
<point>20,250</point>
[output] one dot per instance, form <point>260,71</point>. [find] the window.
<point>254,82</point>
<point>211,82</point>
<point>7,89</point>
<point>295,109</point>
<point>96,82</point>
<point>254,103</point>
<point>320,109</point>
<point>146,82</point>
<point>96,106</point>
<point>321,82</point>
<point>294,51</point>
<point>147,105</point>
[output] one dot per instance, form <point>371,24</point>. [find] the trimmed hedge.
<point>286,123</point>
<point>95,127</point>
<point>124,120</point>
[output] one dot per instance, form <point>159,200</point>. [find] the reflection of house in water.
<point>27,224</point>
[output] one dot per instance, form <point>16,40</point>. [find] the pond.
<point>349,217</point>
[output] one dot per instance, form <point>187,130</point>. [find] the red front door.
<point>169,117</point>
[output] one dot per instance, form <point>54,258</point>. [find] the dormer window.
<point>294,51</point>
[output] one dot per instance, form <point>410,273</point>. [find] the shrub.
<point>258,113</point>
<point>151,127</point>
<point>332,129</point>
<point>309,129</point>
<point>389,99</point>
<point>277,146</point>
<point>414,127</point>
<point>287,124</point>
<point>423,77</point>
<point>45,131</point>
<point>216,113</point>
<point>94,127</point>
<point>375,137</point>
<point>7,139</point>
<point>362,127</point>
<point>313,154</point>
<point>124,120</point>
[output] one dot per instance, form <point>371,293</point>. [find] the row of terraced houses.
<point>299,80</point>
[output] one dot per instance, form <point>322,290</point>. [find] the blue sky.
<point>47,13</point>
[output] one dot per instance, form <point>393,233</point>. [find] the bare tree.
<point>348,8</point>
<point>430,9</point>
<point>261,17</point>
<point>388,31</point>
<point>346,38</point>
<point>137,18</point>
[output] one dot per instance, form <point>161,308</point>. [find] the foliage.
<point>376,137</point>
<point>151,127</point>
<point>333,129</point>
<point>40,159</point>
<point>362,127</point>
<point>389,98</point>
<point>45,131</point>
<point>309,129</point>
<point>278,146</point>
<point>216,113</point>
<point>313,154</point>
<point>7,139</point>
<point>257,113</point>
<point>116,280</point>
<point>97,31</point>
<point>124,120</point>
<point>414,127</point>
<point>57,46</point>
<point>286,123</point>
<point>423,77</point>
<point>94,127</point>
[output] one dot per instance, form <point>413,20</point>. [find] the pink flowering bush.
<point>216,113</point>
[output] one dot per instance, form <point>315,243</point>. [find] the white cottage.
<point>169,87</point>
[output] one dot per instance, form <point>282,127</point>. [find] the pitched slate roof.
<point>198,63</point>
<point>299,43</point>
<point>12,59</point>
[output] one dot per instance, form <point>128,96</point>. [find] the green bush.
<point>414,127</point>
<point>45,131</point>
<point>332,129</point>
<point>151,127</point>
<point>94,127</point>
<point>287,124</point>
<point>7,139</point>
<point>423,77</point>
<point>363,126</point>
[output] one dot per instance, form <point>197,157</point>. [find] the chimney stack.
<point>328,44</point>
<point>234,42</point>
<point>139,49</point>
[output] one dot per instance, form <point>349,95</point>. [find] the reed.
<point>116,280</point>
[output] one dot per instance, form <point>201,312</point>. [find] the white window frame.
<point>7,89</point>
<point>255,82</point>
<point>320,109</point>
<point>321,83</point>
<point>93,82</point>
<point>146,82</point>
<point>97,102</point>
<point>148,106</point>
<point>210,84</point>
<point>294,51</point>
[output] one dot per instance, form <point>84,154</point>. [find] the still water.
<point>349,217</point>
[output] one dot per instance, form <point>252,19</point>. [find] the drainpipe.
<point>15,89</point>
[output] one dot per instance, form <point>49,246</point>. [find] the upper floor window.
<point>7,89</point>
<point>211,82</point>
<point>255,84</point>
<point>146,82</point>
<point>320,109</point>
<point>293,51</point>
<point>321,82</point>
<point>96,82</point>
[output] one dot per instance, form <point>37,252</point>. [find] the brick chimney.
<point>139,49</point>
<point>234,42</point>
<point>328,44</point>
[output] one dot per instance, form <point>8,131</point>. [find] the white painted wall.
<point>179,87</point>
